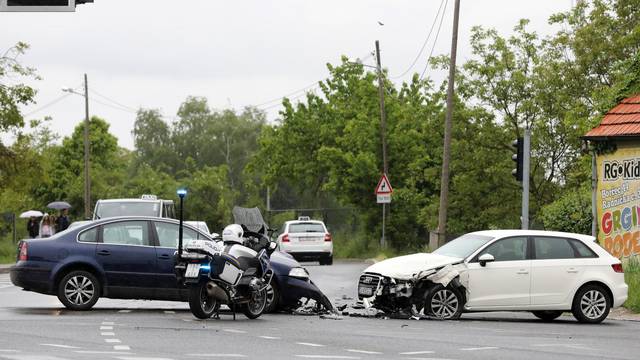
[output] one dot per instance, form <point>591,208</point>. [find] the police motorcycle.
<point>235,272</point>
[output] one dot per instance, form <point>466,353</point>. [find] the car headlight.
<point>299,272</point>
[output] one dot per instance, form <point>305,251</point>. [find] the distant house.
<point>617,191</point>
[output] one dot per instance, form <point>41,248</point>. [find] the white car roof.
<point>304,221</point>
<point>517,232</point>
<point>129,200</point>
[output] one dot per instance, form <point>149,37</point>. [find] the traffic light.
<point>518,157</point>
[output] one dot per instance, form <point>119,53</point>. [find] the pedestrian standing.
<point>47,226</point>
<point>33,227</point>
<point>62,222</point>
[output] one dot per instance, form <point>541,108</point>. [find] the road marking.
<point>104,352</point>
<point>61,346</point>
<point>106,327</point>
<point>8,350</point>
<point>234,331</point>
<point>5,286</point>
<point>479,348</point>
<point>107,333</point>
<point>570,346</point>
<point>271,337</point>
<point>112,341</point>
<point>218,355</point>
<point>417,352</point>
<point>364,352</point>
<point>125,311</point>
<point>169,312</point>
<point>327,357</point>
<point>140,358</point>
<point>309,344</point>
<point>121,347</point>
<point>108,323</point>
<point>428,359</point>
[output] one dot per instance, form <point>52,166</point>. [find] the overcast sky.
<point>155,53</point>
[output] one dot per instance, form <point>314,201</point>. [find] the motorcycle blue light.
<point>205,268</point>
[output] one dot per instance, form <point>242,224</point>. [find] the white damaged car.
<point>544,272</point>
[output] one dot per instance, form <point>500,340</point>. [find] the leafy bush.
<point>7,250</point>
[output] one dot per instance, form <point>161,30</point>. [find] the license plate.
<point>193,270</point>
<point>366,291</point>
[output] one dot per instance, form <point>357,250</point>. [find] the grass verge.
<point>632,277</point>
<point>7,251</point>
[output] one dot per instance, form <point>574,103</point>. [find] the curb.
<point>4,269</point>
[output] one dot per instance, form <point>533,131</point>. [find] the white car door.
<point>557,267</point>
<point>503,283</point>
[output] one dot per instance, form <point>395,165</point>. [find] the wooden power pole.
<point>444,182</point>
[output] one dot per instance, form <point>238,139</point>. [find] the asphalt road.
<point>37,327</point>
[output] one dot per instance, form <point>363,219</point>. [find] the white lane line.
<point>61,346</point>
<point>5,286</point>
<point>112,341</point>
<point>121,347</point>
<point>140,358</point>
<point>479,348</point>
<point>106,327</point>
<point>427,359</point>
<point>169,312</point>
<point>234,331</point>
<point>124,311</point>
<point>104,352</point>
<point>364,352</point>
<point>107,334</point>
<point>309,344</point>
<point>270,337</point>
<point>417,352</point>
<point>327,357</point>
<point>8,350</point>
<point>218,355</point>
<point>108,323</point>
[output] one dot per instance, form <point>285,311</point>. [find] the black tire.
<point>201,304</point>
<point>273,298</point>
<point>591,304</point>
<point>256,305</point>
<point>79,290</point>
<point>547,315</point>
<point>444,303</point>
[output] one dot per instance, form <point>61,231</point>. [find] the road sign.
<point>384,186</point>
<point>384,198</point>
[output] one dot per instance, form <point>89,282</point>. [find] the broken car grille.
<point>368,285</point>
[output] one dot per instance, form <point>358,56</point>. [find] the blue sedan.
<point>130,258</point>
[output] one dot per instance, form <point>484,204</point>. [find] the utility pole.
<point>87,179</point>
<point>444,181</point>
<point>383,130</point>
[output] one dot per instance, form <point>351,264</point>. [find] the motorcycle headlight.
<point>299,272</point>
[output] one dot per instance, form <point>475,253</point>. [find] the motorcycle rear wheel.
<point>201,304</point>
<point>256,305</point>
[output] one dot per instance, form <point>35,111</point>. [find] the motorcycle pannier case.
<point>226,268</point>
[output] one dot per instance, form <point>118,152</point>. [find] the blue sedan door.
<point>128,259</point>
<point>167,286</point>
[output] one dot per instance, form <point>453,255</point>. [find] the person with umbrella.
<point>62,222</point>
<point>33,226</point>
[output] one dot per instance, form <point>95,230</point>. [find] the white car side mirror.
<point>485,258</point>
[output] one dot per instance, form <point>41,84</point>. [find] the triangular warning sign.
<point>384,186</point>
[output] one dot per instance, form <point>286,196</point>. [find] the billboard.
<point>618,202</point>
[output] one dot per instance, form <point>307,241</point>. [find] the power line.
<point>314,84</point>
<point>424,44</point>
<point>435,40</point>
<point>113,101</point>
<point>114,106</point>
<point>53,102</point>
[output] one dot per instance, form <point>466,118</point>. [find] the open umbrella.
<point>59,205</point>
<point>31,213</point>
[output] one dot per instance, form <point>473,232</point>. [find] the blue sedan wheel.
<point>79,290</point>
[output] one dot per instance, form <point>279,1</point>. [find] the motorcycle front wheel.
<point>201,304</point>
<point>256,305</point>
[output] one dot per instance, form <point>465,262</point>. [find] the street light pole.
<point>181,193</point>
<point>383,135</point>
<point>87,178</point>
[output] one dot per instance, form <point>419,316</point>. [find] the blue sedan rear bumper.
<point>32,278</point>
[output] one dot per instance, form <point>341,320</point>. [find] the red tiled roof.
<point>622,120</point>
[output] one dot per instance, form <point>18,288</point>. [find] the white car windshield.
<point>130,208</point>
<point>463,246</point>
